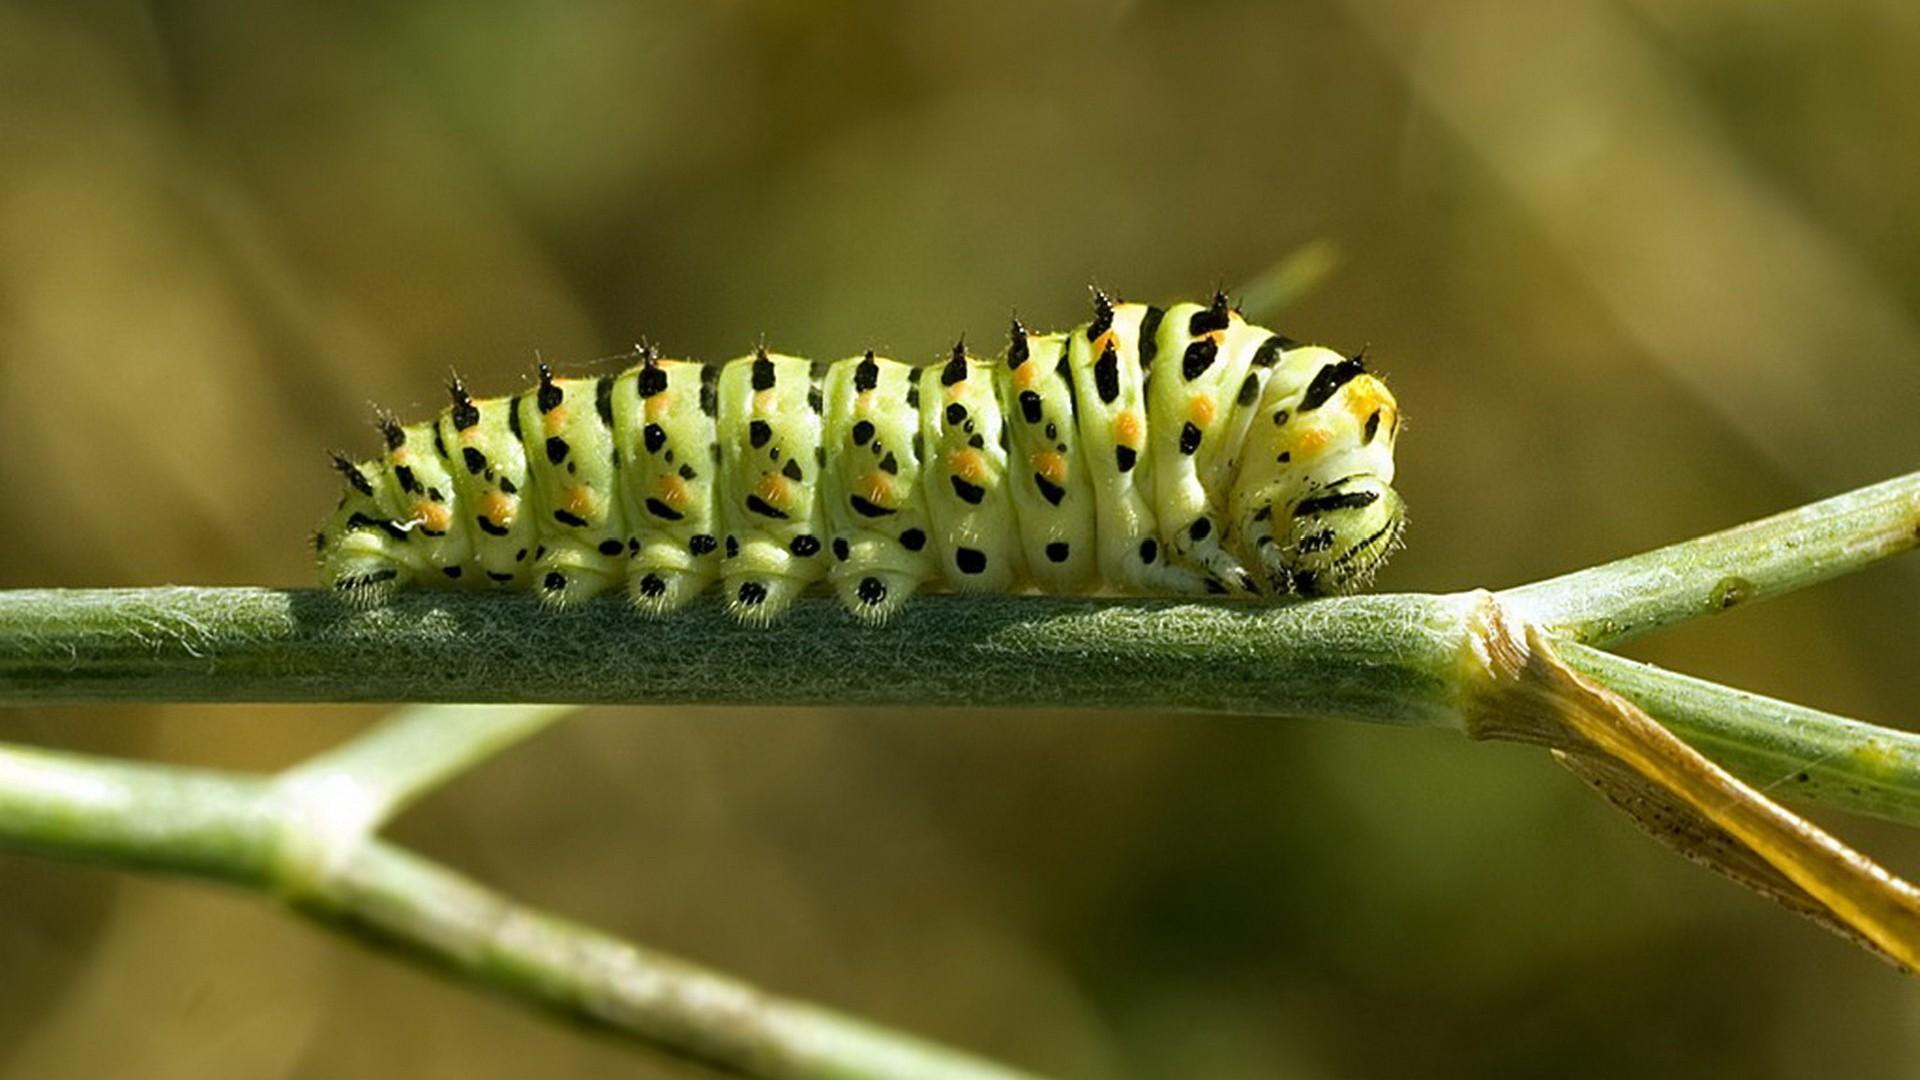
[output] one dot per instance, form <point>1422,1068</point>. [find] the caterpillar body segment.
<point>491,485</point>
<point>1053,496</point>
<point>1172,452</point>
<point>666,450</point>
<point>771,461</point>
<point>968,492</point>
<point>876,467</point>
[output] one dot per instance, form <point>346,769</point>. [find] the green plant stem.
<point>381,771</point>
<point>1406,659</point>
<point>1383,658</point>
<point>235,828</point>
<point>1778,747</point>
<point>1620,600</point>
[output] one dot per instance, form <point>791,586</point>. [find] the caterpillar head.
<point>1313,503</point>
<point>1332,539</point>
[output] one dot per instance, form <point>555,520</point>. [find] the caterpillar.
<point>1172,452</point>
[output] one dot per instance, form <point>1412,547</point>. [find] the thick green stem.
<point>240,829</point>
<point>1398,659</point>
<point>1611,603</point>
<point>1382,658</point>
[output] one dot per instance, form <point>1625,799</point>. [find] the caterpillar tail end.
<point>364,585</point>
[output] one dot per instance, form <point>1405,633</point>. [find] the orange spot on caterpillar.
<point>555,420</point>
<point>1052,465</point>
<point>1026,375</point>
<point>969,465</point>
<point>863,402</point>
<point>578,500</point>
<point>1126,429</point>
<point>1108,340</point>
<point>766,401</point>
<point>877,488</point>
<point>660,405</point>
<point>431,515</point>
<point>1200,410</point>
<point>672,490</point>
<point>774,490</point>
<point>499,507</point>
<point>1308,441</point>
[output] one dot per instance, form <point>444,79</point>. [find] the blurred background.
<point>1637,270</point>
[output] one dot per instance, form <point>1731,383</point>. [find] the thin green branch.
<point>192,821</point>
<point>233,828</point>
<point>370,778</point>
<point>1611,603</point>
<point>1780,748</point>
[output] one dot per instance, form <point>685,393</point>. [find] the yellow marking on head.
<point>400,455</point>
<point>774,490</point>
<point>1126,429</point>
<point>1108,340</point>
<point>1026,375</point>
<point>1365,394</point>
<point>671,489</point>
<point>1200,410</point>
<point>499,507</point>
<point>1052,465</point>
<point>969,465</point>
<point>877,488</point>
<point>431,515</point>
<point>579,501</point>
<point>554,419</point>
<point>660,405</point>
<point>766,401</point>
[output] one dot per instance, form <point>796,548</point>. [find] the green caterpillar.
<point>1179,452</point>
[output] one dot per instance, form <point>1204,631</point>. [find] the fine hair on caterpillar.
<point>1175,452</point>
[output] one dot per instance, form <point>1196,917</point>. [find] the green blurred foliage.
<point>1635,270</point>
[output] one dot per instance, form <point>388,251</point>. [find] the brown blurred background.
<point>1637,270</point>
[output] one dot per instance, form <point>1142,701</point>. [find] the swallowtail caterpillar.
<point>1176,452</point>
